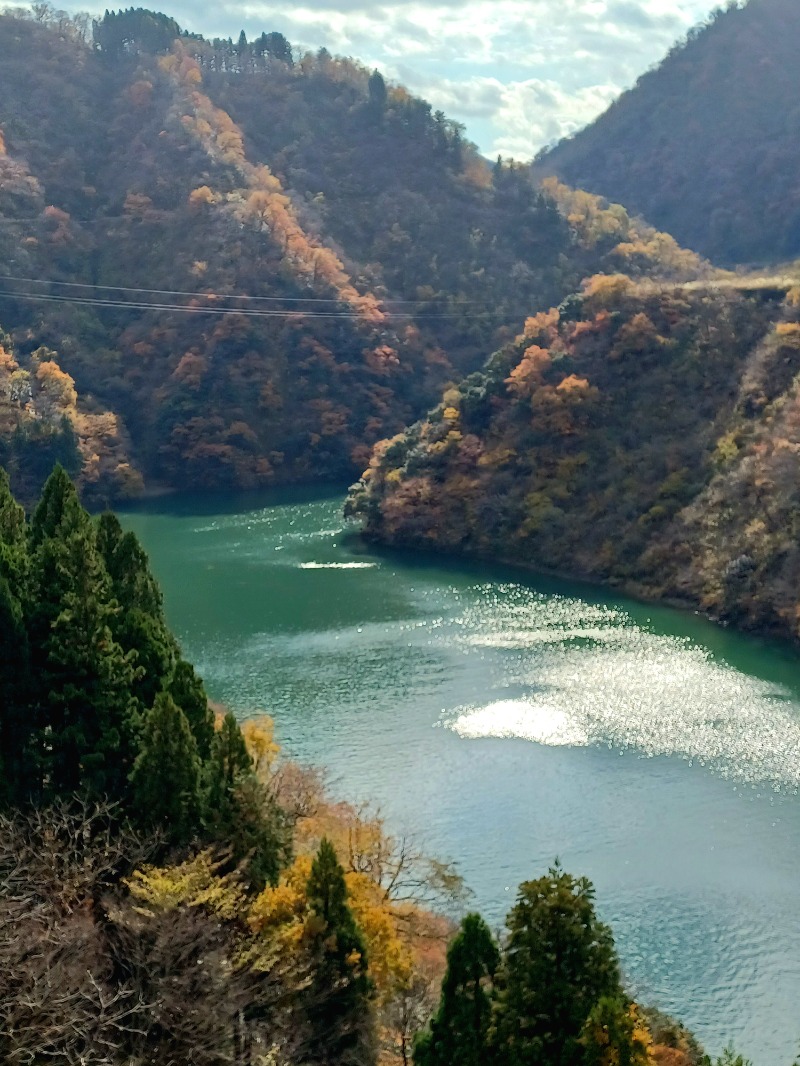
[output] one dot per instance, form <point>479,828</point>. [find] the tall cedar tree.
<point>230,760</point>
<point>188,691</point>
<point>459,1031</point>
<point>83,703</point>
<point>16,727</point>
<point>239,812</point>
<point>338,1008</point>
<point>139,625</point>
<point>559,961</point>
<point>166,775</point>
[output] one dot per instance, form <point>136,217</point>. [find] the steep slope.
<point>42,423</point>
<point>706,146</point>
<point>262,266</point>
<point>647,436</point>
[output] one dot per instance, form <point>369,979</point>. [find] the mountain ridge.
<point>705,144</point>
<point>147,192</point>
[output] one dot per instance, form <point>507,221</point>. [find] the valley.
<point>268,744</point>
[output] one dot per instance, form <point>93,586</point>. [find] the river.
<point>508,720</point>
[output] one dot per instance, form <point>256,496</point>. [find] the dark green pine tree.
<point>165,780</point>
<point>82,703</point>
<point>132,581</point>
<point>229,761</point>
<point>238,811</point>
<point>275,44</point>
<point>558,962</point>
<point>189,692</point>
<point>49,512</point>
<point>378,94</point>
<point>259,834</point>
<point>139,624</point>
<point>338,1000</point>
<point>459,1031</point>
<point>17,766</point>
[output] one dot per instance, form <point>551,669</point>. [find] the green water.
<point>508,721</point>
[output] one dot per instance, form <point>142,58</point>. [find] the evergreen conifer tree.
<point>338,1010</point>
<point>49,511</point>
<point>257,833</point>
<point>229,760</point>
<point>238,810</point>
<point>459,1031</point>
<point>276,45</point>
<point>229,757</point>
<point>17,770</point>
<point>559,961</point>
<point>139,624</point>
<point>165,779</point>
<point>132,582</point>
<point>81,690</point>
<point>188,691</point>
<point>378,94</point>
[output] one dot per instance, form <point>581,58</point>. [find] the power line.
<point>219,295</point>
<point>171,292</point>
<point>180,292</point>
<point>246,312</point>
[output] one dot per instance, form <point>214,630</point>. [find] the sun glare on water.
<point>519,718</point>
<point>337,566</point>
<point>574,674</point>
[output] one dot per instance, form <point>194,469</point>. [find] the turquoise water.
<point>507,721</point>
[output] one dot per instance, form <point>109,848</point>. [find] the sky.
<point>520,74</point>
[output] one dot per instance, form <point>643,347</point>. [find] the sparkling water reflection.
<point>511,721</point>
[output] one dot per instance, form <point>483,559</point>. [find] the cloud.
<point>521,115</point>
<point>518,73</point>
<point>536,113</point>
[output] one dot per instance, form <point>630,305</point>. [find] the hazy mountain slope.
<point>706,146</point>
<point>151,182</point>
<point>645,436</point>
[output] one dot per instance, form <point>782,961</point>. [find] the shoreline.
<point>630,589</point>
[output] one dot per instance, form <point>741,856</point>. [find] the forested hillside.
<point>254,264</point>
<point>642,435</point>
<point>706,146</point>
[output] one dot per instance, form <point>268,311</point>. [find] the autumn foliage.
<point>261,263</point>
<point>644,435</point>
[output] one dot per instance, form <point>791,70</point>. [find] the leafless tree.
<point>60,999</point>
<point>399,864</point>
<point>298,790</point>
<point>407,1013</point>
<point>60,856</point>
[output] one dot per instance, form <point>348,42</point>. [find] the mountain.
<point>706,146</point>
<point>642,435</point>
<point>249,264</point>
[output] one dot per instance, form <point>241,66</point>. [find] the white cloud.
<point>536,113</point>
<point>522,115</point>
